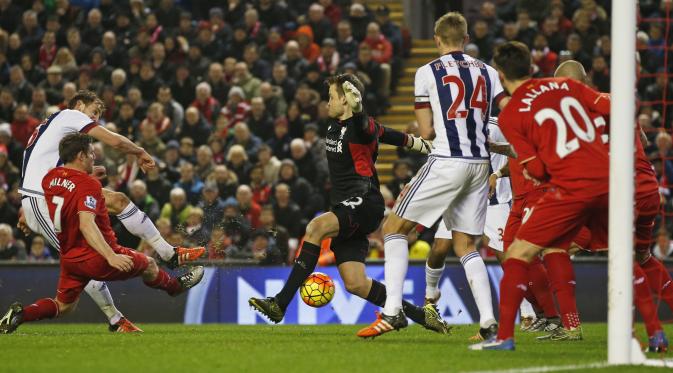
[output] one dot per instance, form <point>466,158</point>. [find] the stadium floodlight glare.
<point>622,112</point>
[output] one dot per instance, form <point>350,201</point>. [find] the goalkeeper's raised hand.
<point>419,144</point>
<point>353,97</point>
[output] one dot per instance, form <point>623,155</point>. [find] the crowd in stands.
<point>229,97</point>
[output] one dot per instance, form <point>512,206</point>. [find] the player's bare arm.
<point>93,235</point>
<point>124,145</point>
<point>424,119</point>
<point>493,179</point>
<point>502,148</point>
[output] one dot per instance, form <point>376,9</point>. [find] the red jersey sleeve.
<point>88,198</point>
<point>595,101</point>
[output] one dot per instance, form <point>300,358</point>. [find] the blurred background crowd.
<point>229,97</point>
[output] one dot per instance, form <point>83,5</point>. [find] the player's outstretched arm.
<point>93,235</point>
<point>124,145</point>
<point>502,148</point>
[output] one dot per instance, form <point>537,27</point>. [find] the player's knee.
<point>66,308</point>
<point>316,230</point>
<point>116,202</point>
<point>355,286</point>
<point>393,224</point>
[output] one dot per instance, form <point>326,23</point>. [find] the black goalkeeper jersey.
<point>352,147</point>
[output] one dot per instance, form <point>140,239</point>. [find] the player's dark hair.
<point>340,79</point>
<point>87,97</point>
<point>513,59</point>
<point>73,144</point>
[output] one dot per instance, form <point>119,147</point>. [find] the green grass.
<point>324,348</point>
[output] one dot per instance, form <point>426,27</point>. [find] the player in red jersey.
<point>89,249</point>
<point>546,121</point>
<point>649,272</point>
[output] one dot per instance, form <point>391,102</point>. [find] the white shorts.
<point>37,217</point>
<point>454,189</point>
<point>496,220</point>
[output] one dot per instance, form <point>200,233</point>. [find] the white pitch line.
<point>547,368</point>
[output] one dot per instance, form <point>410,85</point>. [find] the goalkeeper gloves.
<point>419,144</point>
<point>353,97</point>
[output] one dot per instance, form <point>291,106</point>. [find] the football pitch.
<point>323,348</point>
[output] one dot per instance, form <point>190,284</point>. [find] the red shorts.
<point>75,275</point>
<point>520,207</point>
<point>646,210</point>
<point>557,218</point>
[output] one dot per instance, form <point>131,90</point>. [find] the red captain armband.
<point>421,105</point>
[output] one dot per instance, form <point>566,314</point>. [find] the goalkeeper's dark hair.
<point>340,79</point>
<point>87,97</point>
<point>513,59</point>
<point>73,144</point>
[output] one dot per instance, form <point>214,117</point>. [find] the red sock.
<point>45,308</point>
<point>562,279</point>
<point>165,282</point>
<point>642,297</point>
<point>539,286</point>
<point>530,297</point>
<point>659,280</point>
<point>512,288</point>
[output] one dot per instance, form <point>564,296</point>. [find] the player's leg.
<point>318,229</point>
<point>658,277</point>
<point>356,282</point>
<point>37,217</point>
<point>434,266</point>
<point>422,201</point>
<point>138,223</point>
<point>467,219</point>
<point>157,278</point>
<point>642,298</point>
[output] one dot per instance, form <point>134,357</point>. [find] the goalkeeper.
<point>357,205</point>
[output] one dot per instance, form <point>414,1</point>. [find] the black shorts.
<point>358,217</point>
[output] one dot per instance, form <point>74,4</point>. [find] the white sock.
<point>526,309</point>
<point>432,276</point>
<point>397,259</point>
<point>139,224</point>
<point>100,294</point>
<point>477,277</point>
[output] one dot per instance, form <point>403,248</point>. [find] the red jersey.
<point>68,193</point>
<point>548,119</point>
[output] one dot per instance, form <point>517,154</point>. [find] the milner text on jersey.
<point>65,183</point>
<point>532,94</point>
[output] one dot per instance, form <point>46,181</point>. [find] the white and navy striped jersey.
<point>460,90</point>
<point>503,187</point>
<point>41,154</point>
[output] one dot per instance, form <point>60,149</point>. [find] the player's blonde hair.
<point>451,28</point>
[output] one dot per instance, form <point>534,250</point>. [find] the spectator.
<point>8,213</point>
<point>663,247</point>
<point>172,109</point>
<point>543,58</point>
<point>256,30</point>
<point>112,54</point>
<point>172,161</point>
<point>149,140</point>
<point>260,121</point>
<point>316,146</point>
<point>186,150</point>
<point>118,81</point>
<point>358,19</point>
<point>177,210</point>
<point>93,30</point>
<point>236,109</point>
<point>287,212</point>
<point>30,31</point>
<point>402,173</point>
<point>7,105</point>
<point>249,142</point>
<point>195,127</point>
<point>272,13</point>
<point>13,148</point>
<point>10,249</point>
<point>258,67</point>
<point>309,49</point>
<point>204,162</point>
<point>212,206</point>
<point>156,118</point>
<point>160,187</point>
<point>219,244</point>
<point>328,62</point>
<point>47,52</point>
<point>218,84</point>
<point>237,162</point>
<point>264,248</point>
<point>574,46</point>
<point>248,83</point>
<point>23,124</point>
<point>306,164</point>
<point>273,99</point>
<point>269,163</point>
<point>145,202</point>
<point>261,190</point>
<point>307,99</point>
<point>600,74</point>
<point>183,86</point>
<point>280,143</point>
<point>372,78</point>
<point>207,105</point>
<point>53,86</point>
<point>190,183</point>
<point>38,104</point>
<point>247,206</point>
<point>274,47</point>
<point>346,45</point>
<point>227,181</point>
<point>39,252</point>
<point>300,187</point>
<point>194,231</point>
<point>21,89</point>
<point>287,84</point>
<point>268,224</point>
<point>293,60</point>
